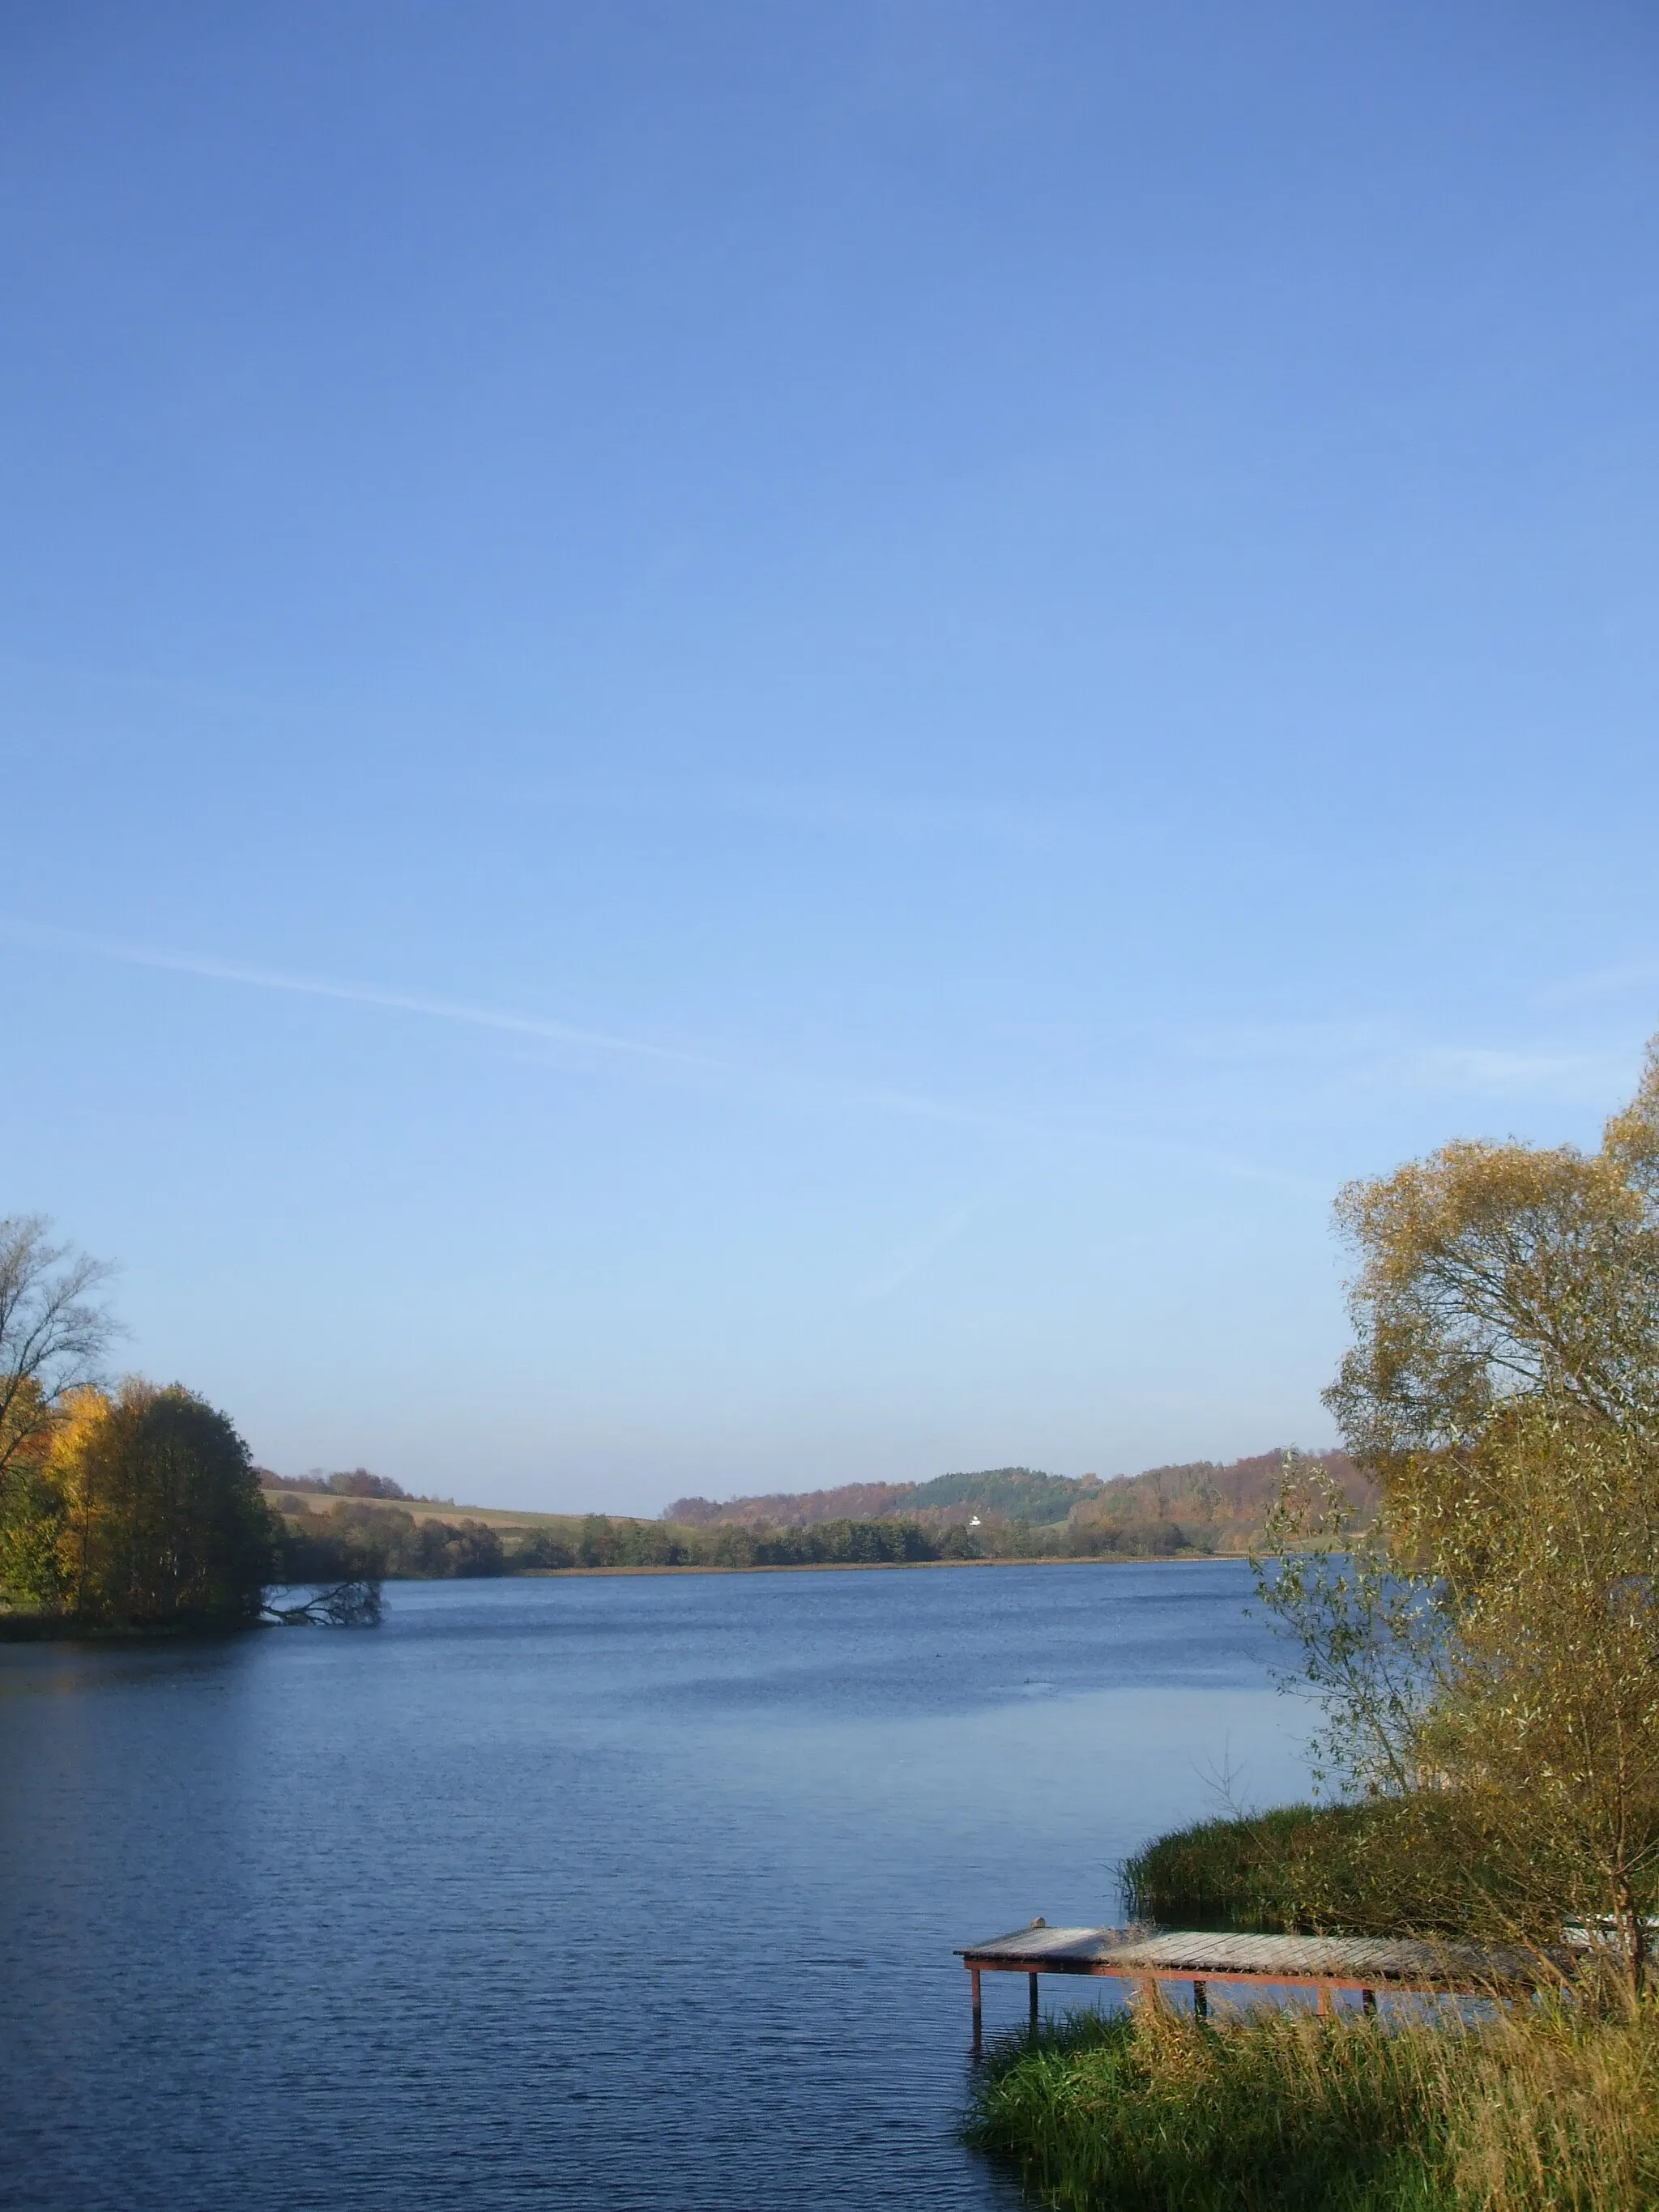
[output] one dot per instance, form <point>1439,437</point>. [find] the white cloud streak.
<point>212,969</point>
<point>1073,1139</point>
<point>532,1028</point>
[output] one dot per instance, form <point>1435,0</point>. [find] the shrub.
<point>1384,1867</point>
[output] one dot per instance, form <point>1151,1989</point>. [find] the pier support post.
<point>1032,1979</point>
<point>1201,2001</point>
<point>979,2039</point>
<point>1368,2004</point>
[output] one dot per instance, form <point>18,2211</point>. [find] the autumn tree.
<point>1492,1647</point>
<point>155,1514</point>
<point>1489,1272</point>
<point>1544,1540</point>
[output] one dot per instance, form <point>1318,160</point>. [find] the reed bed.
<point>1280,2109</point>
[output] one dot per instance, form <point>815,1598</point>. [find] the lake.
<point>610,1893</point>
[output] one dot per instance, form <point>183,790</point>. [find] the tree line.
<point>349,1538</point>
<point>597,1541</point>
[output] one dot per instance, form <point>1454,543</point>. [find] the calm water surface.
<point>633,1892</point>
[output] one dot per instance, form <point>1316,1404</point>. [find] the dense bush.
<point>1382,1867</point>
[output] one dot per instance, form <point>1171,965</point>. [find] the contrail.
<point>777,1084</point>
<point>214,970</point>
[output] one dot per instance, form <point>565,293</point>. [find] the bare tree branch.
<point>53,1332</point>
<point>354,1604</point>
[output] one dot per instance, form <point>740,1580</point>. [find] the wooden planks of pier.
<point>1324,1964</point>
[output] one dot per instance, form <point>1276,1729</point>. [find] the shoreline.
<point>858,1566</point>
<point>43,1628</point>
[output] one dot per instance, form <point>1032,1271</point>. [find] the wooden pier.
<point>1325,1964</point>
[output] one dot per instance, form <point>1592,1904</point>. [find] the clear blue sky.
<point>745,743</point>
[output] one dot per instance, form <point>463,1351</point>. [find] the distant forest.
<point>357,1524</point>
<point>1200,1506</point>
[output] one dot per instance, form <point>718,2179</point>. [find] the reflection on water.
<point>614,1892</point>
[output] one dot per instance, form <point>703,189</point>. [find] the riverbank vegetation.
<point>1386,1864</point>
<point>1280,2110</point>
<point>1485,1657</point>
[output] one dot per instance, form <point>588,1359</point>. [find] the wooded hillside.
<point>1202,1504</point>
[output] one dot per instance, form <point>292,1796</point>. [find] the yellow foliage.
<point>73,1470</point>
<point>1489,1271</point>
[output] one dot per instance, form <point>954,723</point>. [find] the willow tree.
<point>1490,1272</point>
<point>1492,1647</point>
<point>1543,1541</point>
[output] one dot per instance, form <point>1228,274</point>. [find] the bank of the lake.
<point>1283,2112</point>
<point>1432,2107</point>
<point>320,1537</point>
<point>855,1566</point>
<point>21,1627</point>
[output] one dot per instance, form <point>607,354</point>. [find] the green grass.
<point>1278,2110</point>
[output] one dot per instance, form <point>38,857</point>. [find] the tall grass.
<point>1281,2109</point>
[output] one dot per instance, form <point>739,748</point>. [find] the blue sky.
<point>745,743</point>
